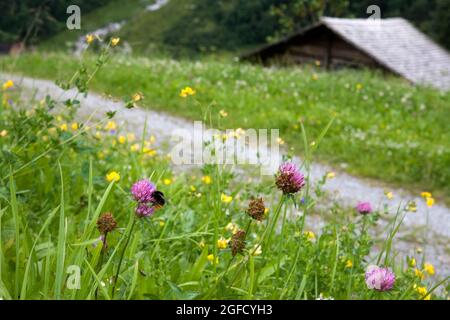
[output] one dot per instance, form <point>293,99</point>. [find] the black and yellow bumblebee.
<point>159,200</point>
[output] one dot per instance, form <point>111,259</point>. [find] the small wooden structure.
<point>392,45</point>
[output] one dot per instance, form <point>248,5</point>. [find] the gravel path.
<point>346,189</point>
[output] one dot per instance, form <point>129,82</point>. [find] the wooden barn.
<point>392,45</point>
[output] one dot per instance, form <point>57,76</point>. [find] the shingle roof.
<point>394,43</point>
<point>397,45</point>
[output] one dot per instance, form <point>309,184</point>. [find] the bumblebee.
<point>159,200</point>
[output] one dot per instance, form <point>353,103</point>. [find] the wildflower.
<point>187,91</point>
<point>317,63</point>
<point>143,191</point>
<point>430,202</point>
<point>167,181</point>
<point>423,292</point>
<point>349,263</point>
<point>425,194</point>
<point>280,141</point>
<point>3,133</point>
<point>310,235</point>
<point>106,223</point>
<point>223,113</point>
<point>8,84</point>
<point>63,127</point>
<point>428,268</point>
<point>113,176</point>
<point>89,38</point>
<point>331,175</point>
<point>256,209</point>
<point>389,195</point>
<point>212,259</point>
<point>411,206</point>
<point>115,41</point>
<point>364,207</point>
<point>314,77</point>
<point>122,139</point>
<point>137,97</point>
<point>289,179</point>
<point>232,227</point>
<point>74,126</point>
<point>381,279</point>
<point>359,86</point>
<point>206,179</point>
<point>162,223</point>
<point>225,198</point>
<point>135,147</point>
<point>237,242</point>
<point>419,274</point>
<point>143,210</point>
<point>111,126</point>
<point>257,250</point>
<point>222,243</point>
<point>131,137</point>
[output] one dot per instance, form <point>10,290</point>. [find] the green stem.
<point>121,258</point>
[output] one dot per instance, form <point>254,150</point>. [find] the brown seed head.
<point>106,223</point>
<point>237,242</point>
<point>256,209</point>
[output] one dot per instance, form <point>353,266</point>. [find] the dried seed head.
<point>256,209</point>
<point>106,223</point>
<point>237,242</point>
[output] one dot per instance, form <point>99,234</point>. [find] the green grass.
<point>387,130</point>
<point>54,189</point>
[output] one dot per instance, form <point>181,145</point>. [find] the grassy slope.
<point>115,11</point>
<point>387,130</point>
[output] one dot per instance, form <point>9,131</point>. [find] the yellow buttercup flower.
<point>314,77</point>
<point>425,194</point>
<point>111,125</point>
<point>232,227</point>
<point>428,268</point>
<point>89,38</point>
<point>423,292</point>
<point>257,250</point>
<point>225,198</point>
<point>8,84</point>
<point>63,127</point>
<point>162,223</point>
<point>187,91</point>
<point>419,274</point>
<point>222,243</point>
<point>389,195</point>
<point>113,176</point>
<point>122,139</point>
<point>74,126</point>
<point>3,133</point>
<point>167,181</point>
<point>212,259</point>
<point>349,263</point>
<point>223,113</point>
<point>411,207</point>
<point>135,147</point>
<point>310,235</point>
<point>206,179</point>
<point>359,86</point>
<point>331,175</point>
<point>193,188</point>
<point>430,202</point>
<point>115,41</point>
<point>137,97</point>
